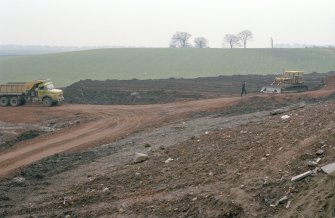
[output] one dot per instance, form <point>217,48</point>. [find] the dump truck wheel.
<point>23,101</point>
<point>14,101</point>
<point>4,101</point>
<point>47,101</point>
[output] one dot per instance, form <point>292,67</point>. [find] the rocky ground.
<point>231,161</point>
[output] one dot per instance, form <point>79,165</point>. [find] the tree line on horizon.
<point>181,40</point>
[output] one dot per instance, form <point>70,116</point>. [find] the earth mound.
<point>170,90</point>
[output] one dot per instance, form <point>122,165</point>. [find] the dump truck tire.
<point>14,101</point>
<point>4,101</point>
<point>23,101</point>
<point>47,101</point>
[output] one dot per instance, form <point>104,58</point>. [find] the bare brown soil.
<point>107,123</point>
<point>230,159</point>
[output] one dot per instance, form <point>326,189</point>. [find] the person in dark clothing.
<point>243,89</point>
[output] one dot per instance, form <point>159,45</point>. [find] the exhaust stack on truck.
<point>18,93</point>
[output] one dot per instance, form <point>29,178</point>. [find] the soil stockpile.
<point>170,90</point>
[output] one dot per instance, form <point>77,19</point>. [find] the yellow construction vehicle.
<point>290,81</point>
<point>18,93</point>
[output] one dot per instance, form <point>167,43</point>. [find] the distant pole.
<point>271,42</point>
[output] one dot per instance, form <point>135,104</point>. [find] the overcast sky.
<point>151,23</point>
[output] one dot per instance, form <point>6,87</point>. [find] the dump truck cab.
<point>46,92</point>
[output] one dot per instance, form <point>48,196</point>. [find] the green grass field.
<point>158,63</point>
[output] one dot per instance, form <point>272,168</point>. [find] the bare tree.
<point>245,35</point>
<point>232,40</point>
<point>201,42</point>
<point>180,40</point>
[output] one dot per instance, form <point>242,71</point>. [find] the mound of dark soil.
<point>169,90</point>
<point>329,82</point>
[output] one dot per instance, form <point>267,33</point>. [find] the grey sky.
<point>151,23</point>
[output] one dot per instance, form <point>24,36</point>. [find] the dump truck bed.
<point>13,89</point>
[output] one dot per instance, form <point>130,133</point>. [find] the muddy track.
<point>109,123</point>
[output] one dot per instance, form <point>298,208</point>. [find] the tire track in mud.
<point>107,124</point>
<point>110,125</point>
<point>112,122</point>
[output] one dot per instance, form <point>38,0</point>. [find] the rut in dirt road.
<point>106,124</point>
<point>111,123</point>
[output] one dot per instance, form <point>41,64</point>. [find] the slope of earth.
<point>170,90</point>
<point>137,92</point>
<point>158,63</point>
<point>212,158</point>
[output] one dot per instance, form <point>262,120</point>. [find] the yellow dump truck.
<point>18,93</point>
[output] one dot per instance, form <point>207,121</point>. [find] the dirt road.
<point>95,125</point>
<point>105,124</point>
<point>218,147</point>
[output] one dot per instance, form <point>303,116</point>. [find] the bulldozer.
<point>289,81</point>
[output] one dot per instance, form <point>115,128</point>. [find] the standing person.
<point>243,89</point>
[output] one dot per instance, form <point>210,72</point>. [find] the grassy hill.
<point>159,63</point>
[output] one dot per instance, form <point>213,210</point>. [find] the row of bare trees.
<point>240,39</point>
<point>181,40</point>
